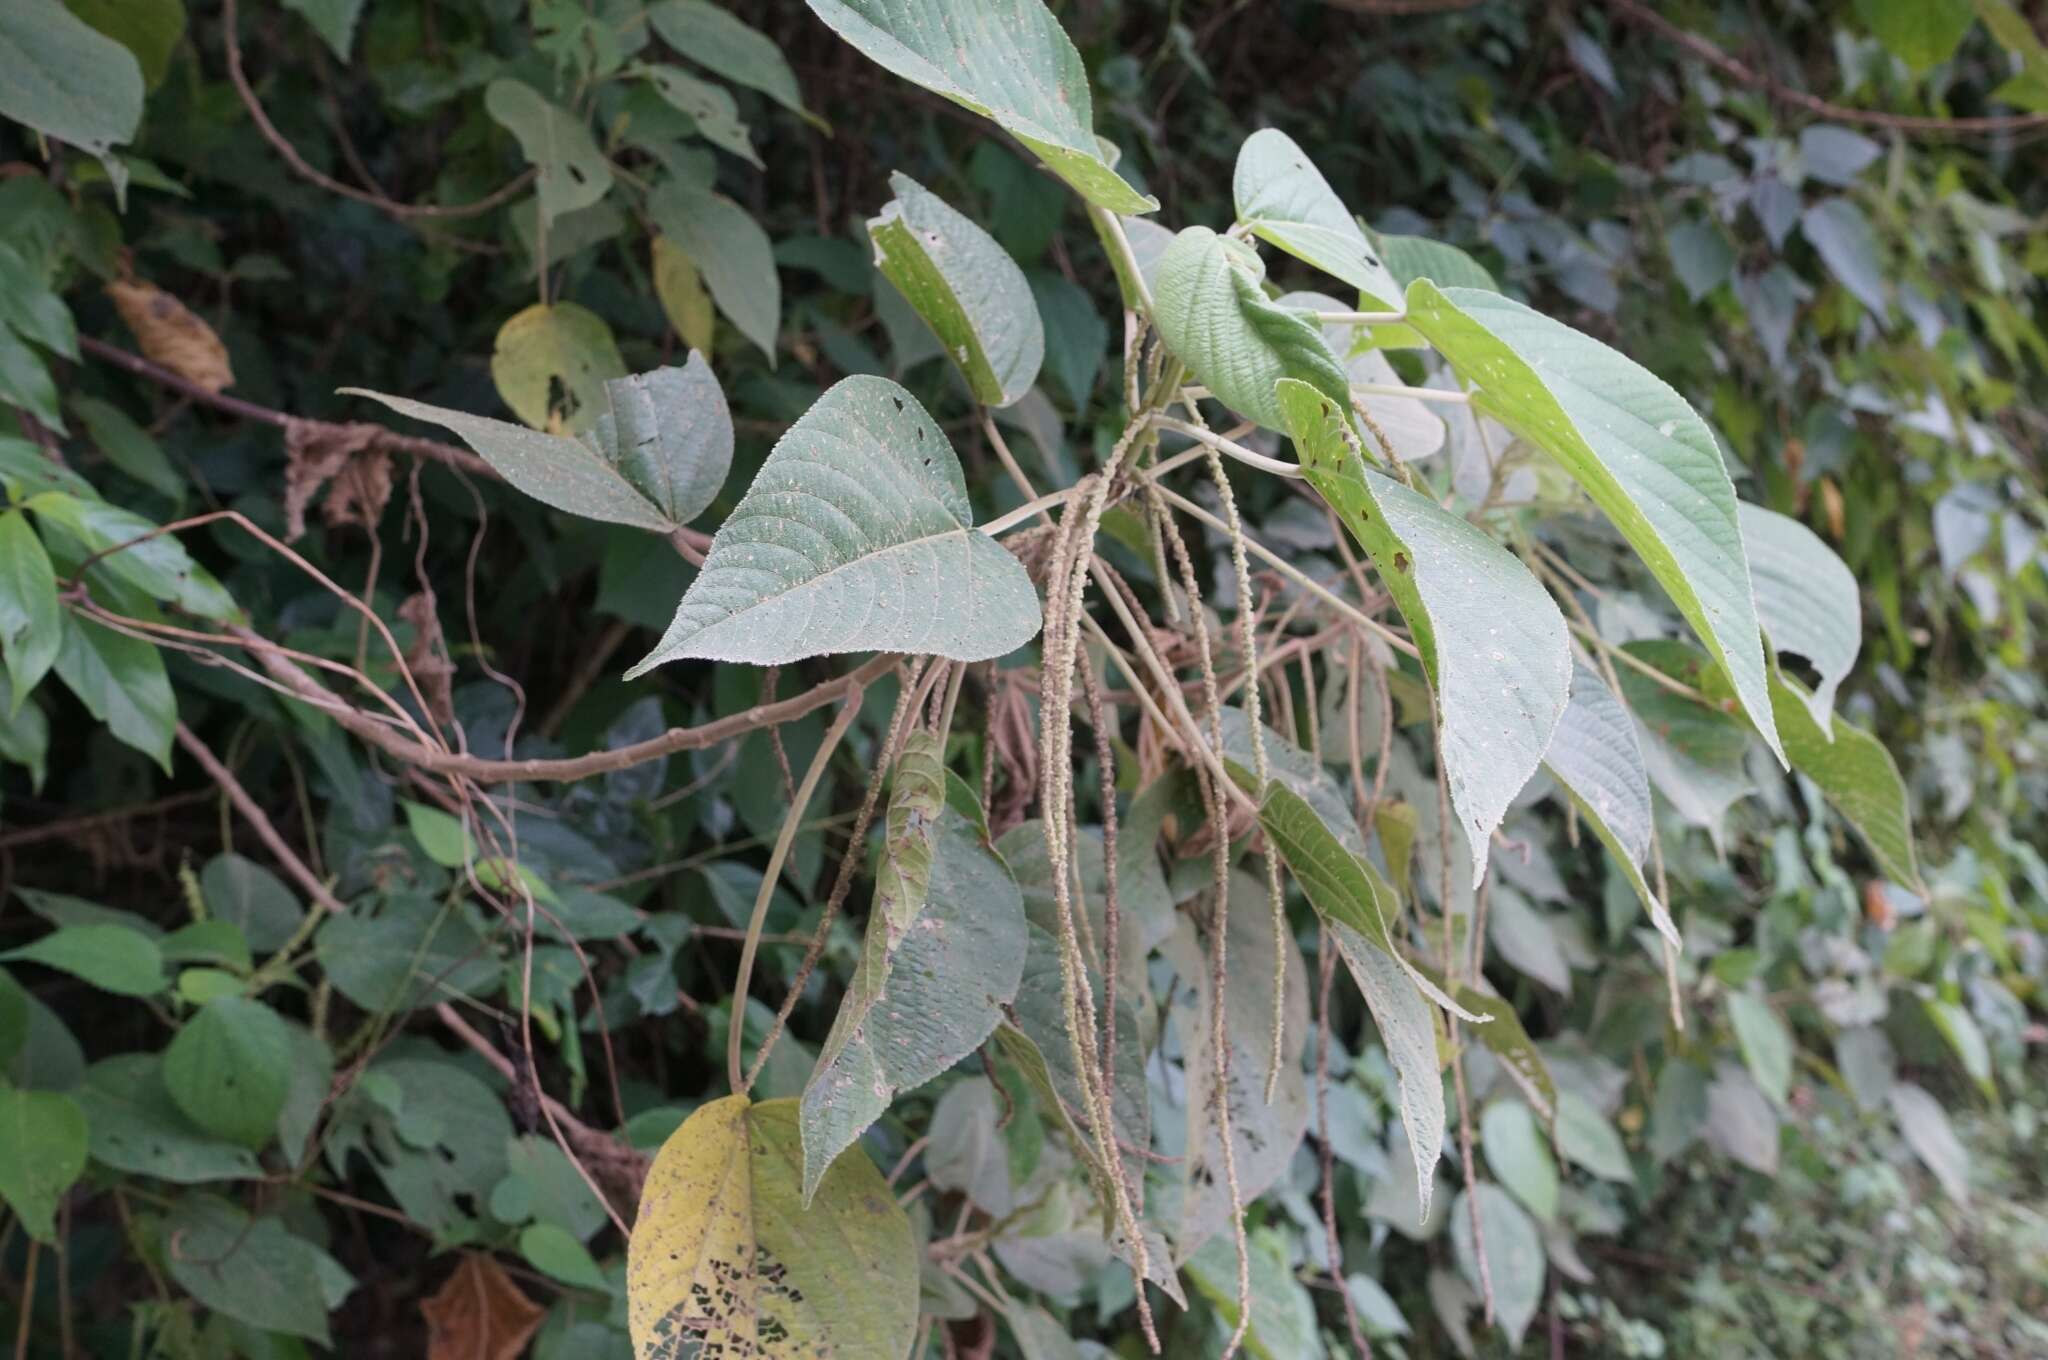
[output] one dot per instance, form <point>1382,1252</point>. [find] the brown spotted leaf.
<point>171,335</point>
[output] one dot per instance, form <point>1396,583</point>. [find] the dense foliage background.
<point>1823,223</point>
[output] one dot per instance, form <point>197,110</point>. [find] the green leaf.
<point>211,942</point>
<point>1807,599</point>
<point>1514,1256</point>
<point>1283,1322</point>
<point>31,622</point>
<point>65,79</point>
<point>1766,1044</point>
<point>135,553</point>
<point>1586,1139</point>
<point>554,1251</point>
<point>548,348</point>
<point>965,286</point>
<point>683,299</point>
<point>724,1257</point>
<point>411,953</point>
<point>253,1270</point>
<point>1492,639</point>
<point>121,681</point>
<point>1214,315</point>
<point>903,879</point>
<point>1008,60</point>
<point>14,1018</point>
<point>42,1153</point>
<point>573,172</point>
<point>244,892</point>
<point>729,48</point>
<point>128,446</point>
<point>929,987</point>
<point>1640,451</point>
<point>151,29</point>
<point>138,1128</point>
<point>655,455</point>
<point>230,1069</point>
<point>1594,754</point>
<point>25,381</point>
<point>435,1134</point>
<point>1926,1129</point>
<point>31,309</point>
<point>1921,33</point>
<point>1519,1158</point>
<point>1409,258</point>
<point>710,107</point>
<point>732,253</point>
<point>1963,1035</point>
<point>1847,245</point>
<point>333,20</point>
<point>856,536</point>
<point>1504,1037</point>
<point>1284,199</point>
<point>1695,755</point>
<point>112,958</point>
<point>1740,1120</point>
<point>24,733</point>
<point>1856,774</point>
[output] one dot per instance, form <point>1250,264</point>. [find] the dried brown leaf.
<point>171,335</point>
<point>479,1314</point>
<point>427,658</point>
<point>352,457</point>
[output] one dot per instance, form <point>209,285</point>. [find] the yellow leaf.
<point>724,1259</point>
<point>551,365</point>
<point>682,294</point>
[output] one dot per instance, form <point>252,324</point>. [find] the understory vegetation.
<point>968,678</point>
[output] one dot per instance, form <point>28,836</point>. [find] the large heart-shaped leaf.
<point>1210,308</point>
<point>1637,447</point>
<point>1595,755</point>
<point>1284,199</point>
<point>856,536</point>
<point>1008,60</point>
<point>1807,599</point>
<point>655,457</point>
<point>1491,638</point>
<point>725,1258</point>
<point>929,988</point>
<point>965,286</point>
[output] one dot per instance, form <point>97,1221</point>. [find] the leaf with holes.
<point>965,286</point>
<point>573,173</point>
<point>725,1258</point>
<point>710,107</point>
<point>1638,448</point>
<point>654,456</point>
<point>1009,61</point>
<point>1491,638</point>
<point>546,350</point>
<point>855,536</point>
<point>1284,199</point>
<point>1807,600</point>
<point>1214,315</point>
<point>1594,754</point>
<point>928,989</point>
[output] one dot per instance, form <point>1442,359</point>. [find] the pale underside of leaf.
<point>1284,198</point>
<point>855,536</point>
<point>1640,451</point>
<point>965,286</point>
<point>1807,599</point>
<point>1491,638</point>
<point>1595,756</point>
<point>1007,60</point>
